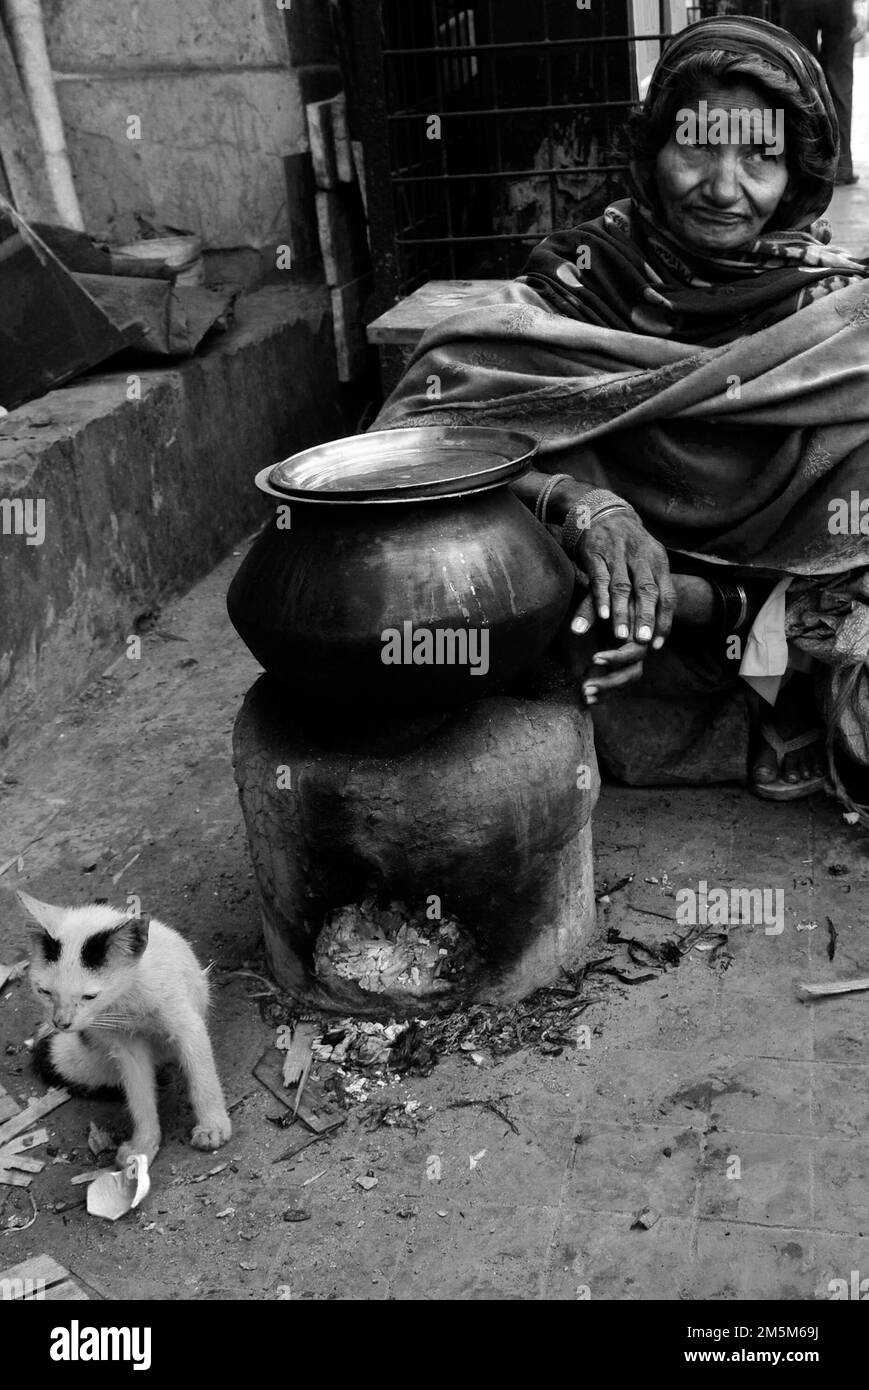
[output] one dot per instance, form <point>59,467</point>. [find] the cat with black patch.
<point>123,993</point>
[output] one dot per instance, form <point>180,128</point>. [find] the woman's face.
<point>719,193</point>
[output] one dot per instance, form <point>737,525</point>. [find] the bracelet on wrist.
<point>583,514</point>
<point>732,602</point>
<point>545,493</point>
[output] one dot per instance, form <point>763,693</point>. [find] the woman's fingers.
<point>595,686</point>
<point>624,655</point>
<point>654,595</point>
<point>610,669</point>
<point>584,616</point>
<point>599,577</point>
<point>666,607</point>
<point>621,591</point>
<point>645,603</point>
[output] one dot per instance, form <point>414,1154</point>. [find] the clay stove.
<point>482,815</point>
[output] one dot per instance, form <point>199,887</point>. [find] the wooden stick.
<point>14,1179</point>
<point>59,1095</point>
<point>835,987</point>
<point>20,1162</point>
<point>23,1142</point>
<point>301,1086</point>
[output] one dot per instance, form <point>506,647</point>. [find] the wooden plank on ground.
<point>351,348</point>
<point>359,162</point>
<point>341,135</point>
<point>14,1165</point>
<point>42,1105</point>
<point>322,141</point>
<point>316,1111</point>
<point>67,1292</point>
<point>11,1179</point>
<point>343,242</point>
<point>329,139</point>
<point>8,1106</point>
<point>37,1278</point>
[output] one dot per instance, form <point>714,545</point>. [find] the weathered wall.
<point>219,88</point>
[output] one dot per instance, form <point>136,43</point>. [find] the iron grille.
<point>501,118</point>
<point>487,123</point>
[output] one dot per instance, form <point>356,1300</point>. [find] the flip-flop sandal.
<point>790,791</point>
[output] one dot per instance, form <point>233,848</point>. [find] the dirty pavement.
<point>676,1122</point>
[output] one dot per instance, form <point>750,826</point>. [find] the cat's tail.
<point>66,1059</point>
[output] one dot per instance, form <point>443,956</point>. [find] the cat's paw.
<point>212,1131</point>
<point>134,1147</point>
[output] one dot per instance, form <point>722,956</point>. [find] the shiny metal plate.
<point>403,465</point>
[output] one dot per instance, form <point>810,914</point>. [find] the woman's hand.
<point>599,672</point>
<point>630,582</point>
<point>620,666</point>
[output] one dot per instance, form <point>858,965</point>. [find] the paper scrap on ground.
<point>112,1194</point>
<point>297,1061</point>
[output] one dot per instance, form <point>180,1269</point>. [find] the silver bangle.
<point>584,513</point>
<point>546,492</point>
<point>599,498</point>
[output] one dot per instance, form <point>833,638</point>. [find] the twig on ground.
<point>650,912</point>
<point>248,975</point>
<point>487,1105</point>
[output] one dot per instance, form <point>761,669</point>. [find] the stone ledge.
<point>141,497</point>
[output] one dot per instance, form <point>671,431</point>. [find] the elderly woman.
<point>695,365</point>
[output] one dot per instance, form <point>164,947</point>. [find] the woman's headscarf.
<point>783,68</point>
<point>626,270</point>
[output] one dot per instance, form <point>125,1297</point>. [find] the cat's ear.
<point>131,935</point>
<point>47,917</point>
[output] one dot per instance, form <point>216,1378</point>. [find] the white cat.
<point>124,994</point>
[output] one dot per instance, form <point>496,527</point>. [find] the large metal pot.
<point>400,571</point>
